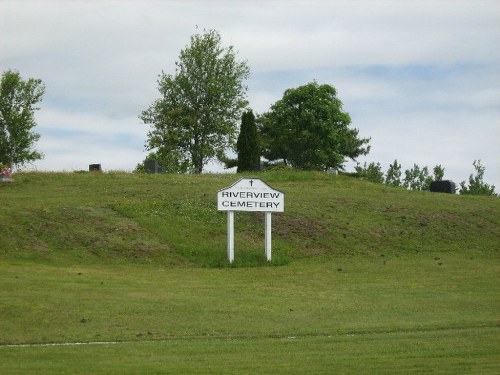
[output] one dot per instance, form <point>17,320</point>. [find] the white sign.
<point>250,194</point>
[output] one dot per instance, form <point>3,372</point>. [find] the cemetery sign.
<point>249,194</point>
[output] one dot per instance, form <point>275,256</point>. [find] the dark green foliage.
<point>476,184</point>
<point>308,129</point>
<point>248,144</point>
<point>18,100</point>
<point>195,120</point>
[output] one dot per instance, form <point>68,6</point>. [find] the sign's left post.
<point>230,236</point>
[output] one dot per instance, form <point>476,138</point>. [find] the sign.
<point>250,194</point>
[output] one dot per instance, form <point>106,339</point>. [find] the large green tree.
<point>18,103</point>
<point>308,129</point>
<point>248,144</point>
<point>196,118</point>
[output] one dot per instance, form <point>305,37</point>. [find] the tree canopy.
<point>196,118</point>
<point>18,103</point>
<point>308,129</point>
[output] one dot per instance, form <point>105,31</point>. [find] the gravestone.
<point>445,186</point>
<point>152,166</point>
<point>95,168</point>
<point>6,175</point>
<point>6,179</point>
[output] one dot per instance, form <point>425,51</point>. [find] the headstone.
<point>152,166</point>
<point>95,168</point>
<point>445,186</point>
<point>6,175</point>
<point>6,179</point>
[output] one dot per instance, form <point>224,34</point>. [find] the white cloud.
<point>78,151</point>
<point>422,78</point>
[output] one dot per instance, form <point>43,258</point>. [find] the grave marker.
<point>445,186</point>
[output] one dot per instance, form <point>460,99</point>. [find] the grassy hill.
<point>112,218</point>
<point>120,273</point>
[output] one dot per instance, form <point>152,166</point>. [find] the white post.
<point>230,236</point>
<point>268,235</point>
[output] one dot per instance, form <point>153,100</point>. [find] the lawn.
<point>351,314</point>
<point>127,274</point>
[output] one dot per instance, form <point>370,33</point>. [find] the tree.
<point>393,175</point>
<point>196,118</point>
<point>371,172</point>
<point>308,129</point>
<point>248,144</point>
<point>18,103</point>
<point>438,173</point>
<point>476,184</point>
<point>417,179</point>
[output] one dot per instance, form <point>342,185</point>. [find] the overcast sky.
<point>421,78</point>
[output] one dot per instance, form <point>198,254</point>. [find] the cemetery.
<point>106,269</point>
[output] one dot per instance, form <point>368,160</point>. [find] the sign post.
<point>230,236</point>
<point>249,194</point>
<point>268,235</point>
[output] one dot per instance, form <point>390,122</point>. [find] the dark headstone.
<point>94,167</point>
<point>445,186</point>
<point>152,166</point>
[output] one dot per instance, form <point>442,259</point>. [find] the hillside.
<point>118,218</point>
<point>120,273</point>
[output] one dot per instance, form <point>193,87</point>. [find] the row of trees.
<point>415,178</point>
<point>196,119</point>
<point>197,116</point>
<point>418,178</point>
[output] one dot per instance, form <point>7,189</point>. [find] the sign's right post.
<point>268,235</point>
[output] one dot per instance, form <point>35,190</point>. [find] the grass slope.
<point>172,220</point>
<point>370,279</point>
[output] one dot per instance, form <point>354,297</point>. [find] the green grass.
<point>364,279</point>
<point>117,218</point>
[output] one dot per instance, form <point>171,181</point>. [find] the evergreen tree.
<point>248,144</point>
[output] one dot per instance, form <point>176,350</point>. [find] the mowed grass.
<point>364,279</point>
<point>409,315</point>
